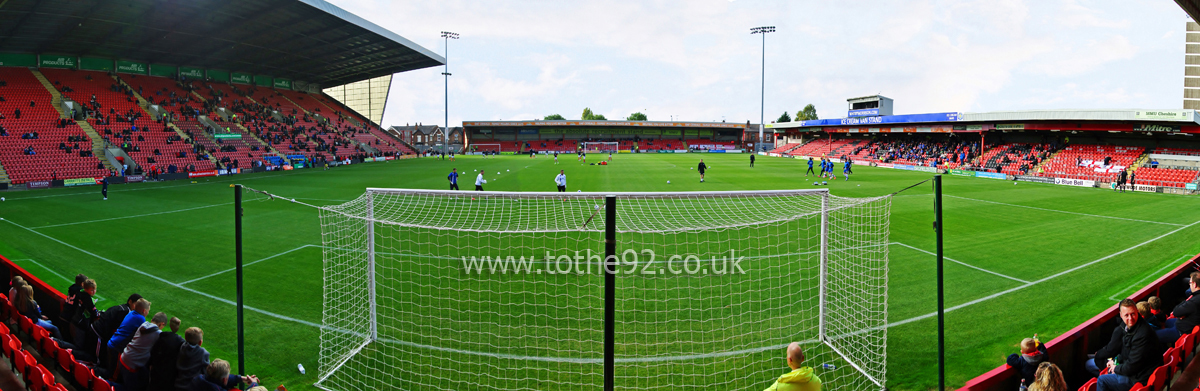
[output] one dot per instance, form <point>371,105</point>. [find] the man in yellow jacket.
<point>800,378</point>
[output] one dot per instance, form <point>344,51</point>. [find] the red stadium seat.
<point>83,375</point>
<point>1089,386</point>
<point>99,384</point>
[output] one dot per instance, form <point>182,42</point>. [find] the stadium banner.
<point>79,182</point>
<point>283,83</point>
<point>263,81</point>
<point>666,151</point>
<point>135,178</point>
<point>95,64</point>
<point>990,175</point>
<point>219,75</point>
<point>1190,186</point>
<point>38,184</point>
<point>1179,115</point>
<point>54,61</point>
<point>201,174</point>
<point>1035,179</point>
<point>131,67</point>
<point>681,151</point>
<point>961,172</point>
<point>925,169</point>
<point>887,119</point>
<point>1074,182</point>
<point>240,78</point>
<point>1010,126</point>
<point>773,154</point>
<point>863,113</point>
<point>1147,188</point>
<point>18,60</point>
<point>902,167</point>
<point>163,70</point>
<point>715,151</point>
<point>389,158</point>
<point>228,136</point>
<point>1155,128</point>
<point>192,72</point>
<point>672,132</point>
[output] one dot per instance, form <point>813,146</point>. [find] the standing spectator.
<point>125,332</point>
<point>1048,378</point>
<point>800,378</point>
<point>217,378</point>
<point>28,307</point>
<point>134,358</point>
<point>192,358</point>
<point>1032,354</point>
<point>1185,316</point>
<point>70,306</point>
<point>85,336</point>
<point>164,356</point>
<point>1137,347</point>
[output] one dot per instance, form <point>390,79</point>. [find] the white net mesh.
<point>600,147</point>
<point>711,288</point>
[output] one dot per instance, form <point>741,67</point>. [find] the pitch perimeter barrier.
<point>49,299</point>
<point>1069,350</point>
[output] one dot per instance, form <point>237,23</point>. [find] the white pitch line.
<point>1063,211</point>
<point>1056,275</point>
<point>130,217</point>
<point>965,264</point>
<point>1151,275</point>
<point>248,264</point>
<point>163,280</point>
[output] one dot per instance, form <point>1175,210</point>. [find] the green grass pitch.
<point>1022,259</point>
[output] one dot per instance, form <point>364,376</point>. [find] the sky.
<point>696,60</point>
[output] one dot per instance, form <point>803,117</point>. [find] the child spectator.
<point>136,355</point>
<point>85,336</point>
<point>17,281</point>
<point>217,378</point>
<point>163,357</point>
<point>1026,362</point>
<point>124,333</point>
<point>192,359</point>
<point>1048,378</point>
<point>1144,310</point>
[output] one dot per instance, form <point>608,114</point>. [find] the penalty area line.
<point>965,264</point>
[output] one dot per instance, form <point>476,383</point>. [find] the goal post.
<point>422,286</point>
<point>485,147</point>
<point>601,147</point>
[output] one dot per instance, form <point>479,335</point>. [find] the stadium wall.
<point>1069,351</point>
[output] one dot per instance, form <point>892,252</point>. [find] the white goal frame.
<point>615,146</point>
<point>824,336</point>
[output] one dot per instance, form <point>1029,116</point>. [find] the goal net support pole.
<point>404,308</point>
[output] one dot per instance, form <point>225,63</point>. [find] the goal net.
<point>485,148</point>
<point>601,147</point>
<point>501,291</point>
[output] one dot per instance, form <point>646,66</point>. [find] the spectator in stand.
<point>192,359</point>
<point>125,331</point>
<point>1137,347</point>
<point>1145,313</point>
<point>1032,354</point>
<point>14,287</point>
<point>164,356</point>
<point>217,378</point>
<point>801,378</point>
<point>134,374</point>
<point>1048,378</point>
<point>1185,317</point>
<point>27,306</point>
<point>1156,309</point>
<point>81,322</point>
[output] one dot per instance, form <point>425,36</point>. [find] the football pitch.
<point>1021,259</point>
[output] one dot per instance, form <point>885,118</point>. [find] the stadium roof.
<point>648,124</point>
<point>1177,116</point>
<point>304,40</point>
<point>1191,7</point>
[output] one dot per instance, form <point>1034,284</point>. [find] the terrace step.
<point>4,175</point>
<point>255,136</point>
<point>98,142</point>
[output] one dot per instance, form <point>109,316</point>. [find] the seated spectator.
<point>133,360</point>
<point>1144,311</point>
<point>1032,354</point>
<point>113,319</point>
<point>1048,378</point>
<point>81,322</point>
<point>192,359</point>
<point>801,378</point>
<point>163,358</point>
<point>27,306</point>
<point>216,377</point>
<point>1137,347</point>
<point>1185,317</point>
<point>14,286</point>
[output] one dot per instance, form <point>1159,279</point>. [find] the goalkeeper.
<point>800,378</point>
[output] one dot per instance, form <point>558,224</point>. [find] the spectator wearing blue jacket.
<point>124,333</point>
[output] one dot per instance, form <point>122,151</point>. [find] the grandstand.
<point>631,136</point>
